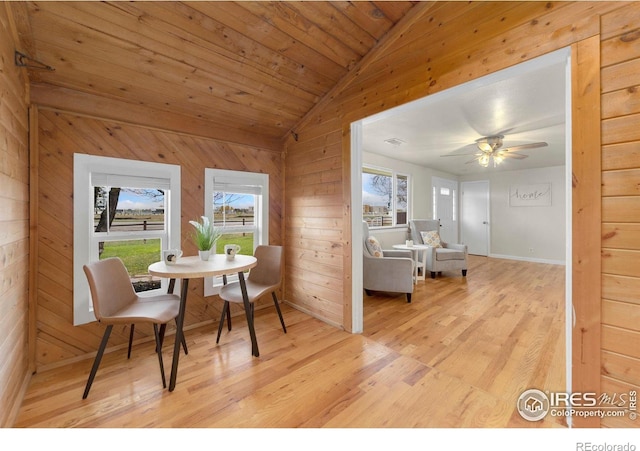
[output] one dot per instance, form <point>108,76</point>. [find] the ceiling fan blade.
<point>517,156</point>
<point>474,160</point>
<point>525,146</point>
<point>469,149</point>
<point>461,154</point>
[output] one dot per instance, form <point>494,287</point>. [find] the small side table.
<point>415,249</point>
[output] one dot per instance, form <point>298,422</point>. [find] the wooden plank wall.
<point>586,265</point>
<point>448,44</point>
<point>314,223</point>
<point>63,133</point>
<point>620,50</point>
<point>14,225</point>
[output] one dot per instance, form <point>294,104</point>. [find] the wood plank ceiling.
<point>252,67</point>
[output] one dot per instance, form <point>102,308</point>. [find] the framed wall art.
<point>532,195</point>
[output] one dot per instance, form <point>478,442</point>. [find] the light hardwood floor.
<point>458,356</point>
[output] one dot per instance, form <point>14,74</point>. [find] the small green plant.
<point>206,234</point>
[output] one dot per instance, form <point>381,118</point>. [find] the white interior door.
<point>474,216</point>
<point>445,206</point>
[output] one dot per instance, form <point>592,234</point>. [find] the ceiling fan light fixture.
<point>484,147</point>
<point>490,151</point>
<point>490,143</point>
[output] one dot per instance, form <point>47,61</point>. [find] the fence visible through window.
<point>384,197</point>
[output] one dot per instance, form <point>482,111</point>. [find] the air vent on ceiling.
<point>394,141</point>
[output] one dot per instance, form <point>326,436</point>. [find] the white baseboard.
<point>529,259</point>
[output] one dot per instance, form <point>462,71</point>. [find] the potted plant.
<point>205,236</point>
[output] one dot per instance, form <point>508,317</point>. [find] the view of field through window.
<point>130,222</point>
<point>234,213</point>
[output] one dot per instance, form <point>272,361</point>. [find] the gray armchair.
<point>393,272</point>
<point>449,257</point>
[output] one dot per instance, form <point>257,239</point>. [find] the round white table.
<point>191,268</point>
<point>415,249</point>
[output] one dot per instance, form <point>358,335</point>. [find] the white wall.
<point>515,231</point>
<point>420,201</point>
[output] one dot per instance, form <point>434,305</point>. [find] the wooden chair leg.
<point>184,345</point>
<point>275,301</point>
<point>159,351</point>
<point>224,281</point>
<point>184,341</point>
<point>133,326</point>
<point>225,310</point>
<point>163,329</point>
<point>96,362</point>
<point>433,275</point>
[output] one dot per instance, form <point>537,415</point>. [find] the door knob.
<point>485,222</point>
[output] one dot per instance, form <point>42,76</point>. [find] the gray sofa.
<point>393,272</point>
<point>449,257</point>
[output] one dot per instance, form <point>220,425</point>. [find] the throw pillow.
<point>373,246</point>
<point>431,238</point>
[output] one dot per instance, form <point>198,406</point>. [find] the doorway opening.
<point>560,58</point>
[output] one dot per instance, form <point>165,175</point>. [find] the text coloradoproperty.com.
<point>600,413</point>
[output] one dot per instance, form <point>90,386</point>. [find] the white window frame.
<point>85,249</point>
<point>213,179</point>
<point>394,214</point>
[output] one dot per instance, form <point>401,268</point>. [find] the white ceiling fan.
<point>490,151</point>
